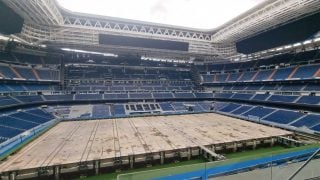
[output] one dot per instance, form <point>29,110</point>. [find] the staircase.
<point>255,75</point>
<point>317,74</point>
<point>36,74</point>
<point>272,74</point>
<point>293,72</point>
<point>16,72</point>
<point>195,75</point>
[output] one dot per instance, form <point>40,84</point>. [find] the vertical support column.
<point>96,167</point>
<point>210,158</point>
<point>56,172</point>
<point>189,153</point>
<point>12,176</point>
<point>254,145</point>
<point>131,161</point>
<point>213,148</point>
<point>161,157</point>
<point>204,153</point>
<point>272,142</point>
<point>235,147</point>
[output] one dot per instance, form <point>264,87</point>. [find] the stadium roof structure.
<point>47,23</point>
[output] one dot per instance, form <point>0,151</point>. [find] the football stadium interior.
<point>99,97</point>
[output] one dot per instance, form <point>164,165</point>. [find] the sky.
<point>203,14</point>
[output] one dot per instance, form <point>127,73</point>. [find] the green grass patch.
<point>196,164</point>
<point>113,176</point>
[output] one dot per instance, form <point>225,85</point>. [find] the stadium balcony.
<point>287,58</point>
<point>59,97</point>
<point>303,72</point>
<point>280,98</point>
<point>26,73</point>
<point>263,75</point>
<point>88,97</point>
<point>140,95</point>
<point>242,96</point>
<point>184,95</point>
<point>10,88</point>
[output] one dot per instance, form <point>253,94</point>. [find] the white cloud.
<point>205,14</point>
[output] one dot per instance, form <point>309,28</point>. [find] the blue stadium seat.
<point>223,95</point>
<point>88,97</point>
<point>16,123</point>
<point>247,76</point>
<point>8,132</point>
<point>162,95</point>
<point>241,110</point>
<point>234,76</point>
<point>242,96</point>
<point>280,98</point>
<point>7,72</point>
<point>307,121</point>
<point>184,95</point>
<point>263,75</point>
<point>101,111</point>
<point>203,95</point>
<point>119,110</point>
<point>62,97</point>
<point>26,73</point>
<point>7,101</point>
<point>282,74</point>
<point>140,95</point>
<point>166,106</point>
<point>260,97</point>
<point>115,96</point>
<point>259,111</point>
<point>230,107</point>
<point>306,72</point>
<point>309,100</point>
<point>283,116</point>
<point>29,99</point>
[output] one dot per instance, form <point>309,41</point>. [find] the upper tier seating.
<point>287,58</point>
<point>306,72</point>
<point>27,73</point>
<point>6,72</point>
<point>25,87</point>
<point>281,74</point>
